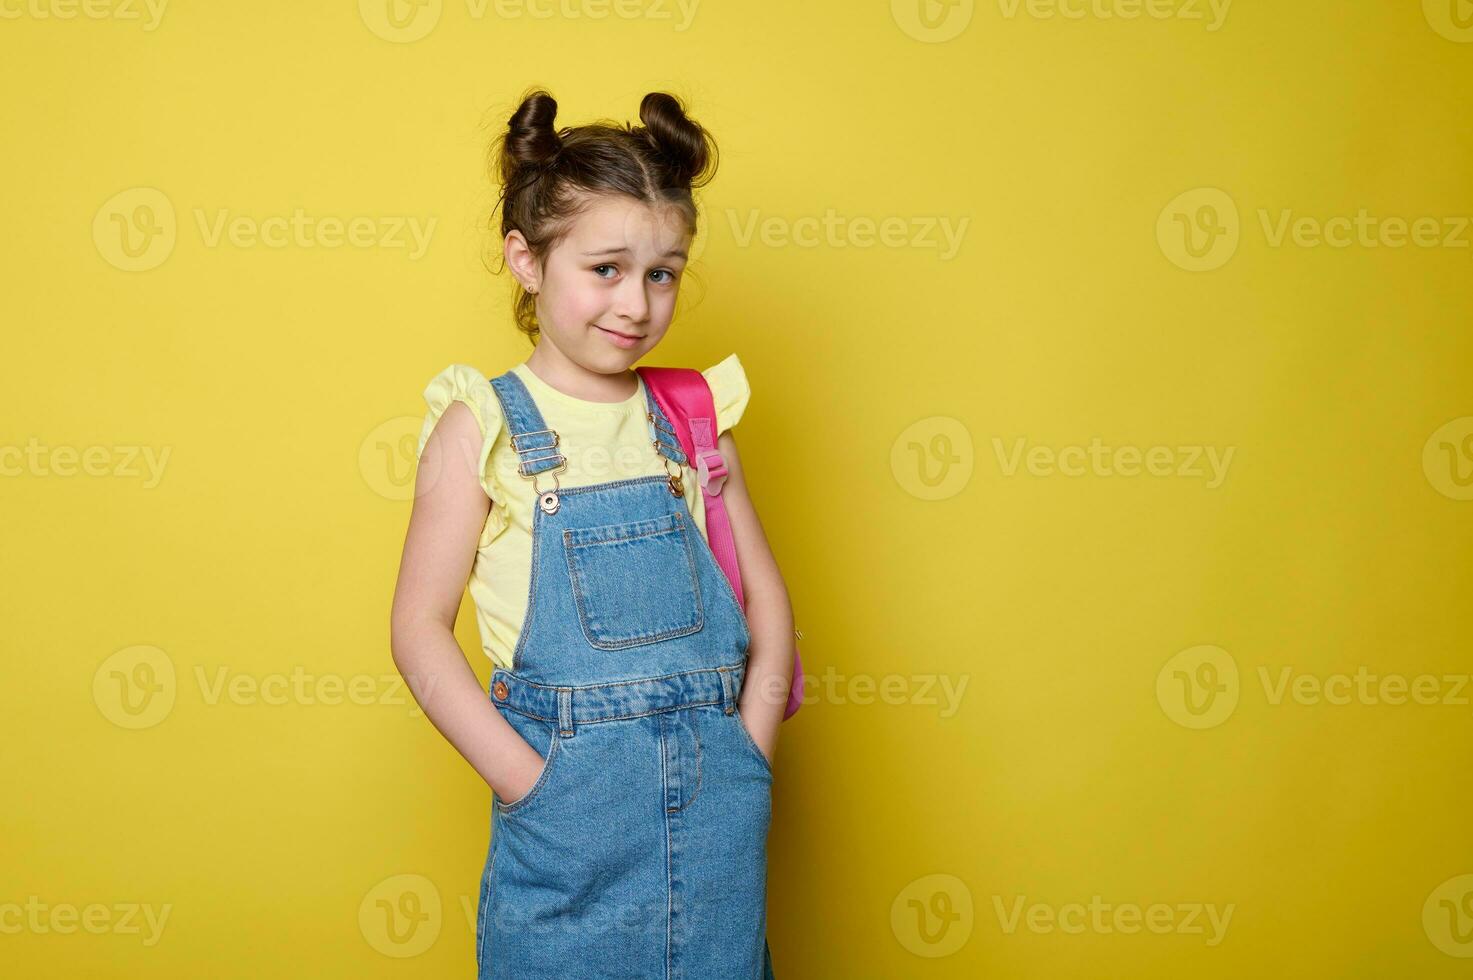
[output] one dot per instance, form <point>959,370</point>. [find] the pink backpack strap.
<point>686,399</point>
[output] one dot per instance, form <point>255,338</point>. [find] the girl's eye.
<point>664,272</point>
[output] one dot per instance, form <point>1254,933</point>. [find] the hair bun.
<point>678,140</point>
<point>531,140</point>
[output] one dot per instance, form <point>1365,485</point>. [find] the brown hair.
<point>548,176</point>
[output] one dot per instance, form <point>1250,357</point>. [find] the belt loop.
<point>727,690</point>
<point>565,711</point>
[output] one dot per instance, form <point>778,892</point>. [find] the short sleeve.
<point>730,391</point>
<point>463,383</point>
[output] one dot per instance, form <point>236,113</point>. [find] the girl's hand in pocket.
<point>519,775</point>
<point>760,741</point>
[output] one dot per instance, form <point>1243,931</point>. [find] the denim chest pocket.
<point>634,582</point>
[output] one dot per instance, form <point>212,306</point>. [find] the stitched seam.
<point>601,718</point>
<point>695,724</point>
<point>636,680</point>
<point>576,578</point>
<point>603,533</point>
<point>486,886</point>
<point>663,723</point>
<point>669,883</point>
<point>567,491</point>
<point>695,576</point>
<point>695,727</point>
<point>574,541</point>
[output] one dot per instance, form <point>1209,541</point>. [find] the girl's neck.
<point>562,375</point>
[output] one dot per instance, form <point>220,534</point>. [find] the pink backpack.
<point>685,398</point>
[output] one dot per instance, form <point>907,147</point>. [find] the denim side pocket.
<point>752,745</point>
<point>634,582</point>
<point>542,737</point>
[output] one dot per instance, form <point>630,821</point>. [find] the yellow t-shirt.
<point>602,441</point>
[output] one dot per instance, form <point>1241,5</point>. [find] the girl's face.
<point>606,292</point>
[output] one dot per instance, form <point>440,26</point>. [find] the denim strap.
<point>661,431</point>
<point>533,442</point>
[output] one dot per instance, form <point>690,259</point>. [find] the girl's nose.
<point>631,302</point>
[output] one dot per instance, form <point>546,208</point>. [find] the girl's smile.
<point>618,339</point>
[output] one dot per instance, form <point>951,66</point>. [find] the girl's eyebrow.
<point>623,250</point>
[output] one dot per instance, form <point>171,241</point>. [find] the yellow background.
<point>284,382</point>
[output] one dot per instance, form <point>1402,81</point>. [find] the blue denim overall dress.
<point>641,849</point>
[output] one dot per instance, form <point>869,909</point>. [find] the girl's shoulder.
<point>467,385</point>
<point>461,383</point>
<point>729,390</point>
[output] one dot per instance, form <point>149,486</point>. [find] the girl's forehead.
<point>648,232</point>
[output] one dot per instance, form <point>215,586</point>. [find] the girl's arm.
<point>769,612</point>
<point>450,508</point>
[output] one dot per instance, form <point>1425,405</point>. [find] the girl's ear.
<point>520,259</point>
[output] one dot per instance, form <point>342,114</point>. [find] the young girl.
<point>634,708</point>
